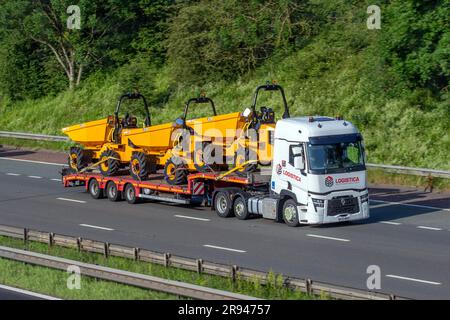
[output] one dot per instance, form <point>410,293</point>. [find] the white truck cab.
<point>319,164</point>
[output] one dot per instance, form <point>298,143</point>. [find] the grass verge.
<point>53,282</point>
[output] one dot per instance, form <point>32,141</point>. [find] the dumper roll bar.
<point>198,100</point>
<point>133,96</point>
<point>271,87</point>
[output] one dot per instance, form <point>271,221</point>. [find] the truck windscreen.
<point>335,157</point>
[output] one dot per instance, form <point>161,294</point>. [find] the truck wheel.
<point>111,166</point>
<point>243,155</point>
<point>78,159</point>
<point>94,189</point>
<point>140,166</point>
<point>240,208</point>
<point>290,213</point>
<point>112,192</point>
<point>130,194</point>
<point>175,174</point>
<point>223,205</point>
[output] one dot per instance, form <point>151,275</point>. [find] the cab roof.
<point>302,128</point>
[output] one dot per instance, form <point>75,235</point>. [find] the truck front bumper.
<point>318,211</point>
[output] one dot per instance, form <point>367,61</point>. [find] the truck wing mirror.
<point>299,160</point>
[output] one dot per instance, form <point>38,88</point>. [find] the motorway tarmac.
<point>407,236</point>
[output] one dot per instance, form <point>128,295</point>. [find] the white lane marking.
<point>32,161</point>
<point>13,174</point>
<point>390,222</point>
<point>223,248</point>
<point>28,293</point>
<point>34,177</point>
<point>95,227</point>
<point>412,279</point>
<point>59,180</point>
<point>193,218</point>
<point>429,228</point>
<point>328,238</point>
<point>412,205</point>
<point>71,200</point>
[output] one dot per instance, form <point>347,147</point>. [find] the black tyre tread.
<point>84,157</point>
<point>113,165</point>
<point>146,165</point>
<point>246,215</point>
<point>100,193</point>
<point>180,174</point>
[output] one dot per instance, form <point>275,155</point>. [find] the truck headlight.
<point>318,203</point>
<point>365,198</point>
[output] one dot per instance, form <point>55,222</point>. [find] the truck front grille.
<point>342,205</point>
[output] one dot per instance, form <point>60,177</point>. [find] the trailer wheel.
<point>111,166</point>
<point>240,208</point>
<point>290,213</point>
<point>130,194</point>
<point>175,173</point>
<point>94,189</point>
<point>223,205</point>
<point>112,192</point>
<point>140,166</point>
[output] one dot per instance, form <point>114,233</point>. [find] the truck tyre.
<point>94,189</point>
<point>111,166</point>
<point>112,192</point>
<point>290,213</point>
<point>130,194</point>
<point>78,159</point>
<point>175,174</point>
<point>240,208</point>
<point>141,166</point>
<point>242,155</point>
<point>223,205</point>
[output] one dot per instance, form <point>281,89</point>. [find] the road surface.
<point>407,236</point>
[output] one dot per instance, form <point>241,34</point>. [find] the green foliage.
<point>212,40</point>
<point>416,41</point>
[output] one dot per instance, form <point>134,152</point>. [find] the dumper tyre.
<point>79,159</point>
<point>112,166</point>
<point>175,172</point>
<point>202,158</point>
<point>242,155</point>
<point>141,166</point>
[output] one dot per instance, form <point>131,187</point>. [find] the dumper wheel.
<point>242,155</point>
<point>175,172</point>
<point>202,157</point>
<point>112,165</point>
<point>78,159</point>
<point>141,165</point>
